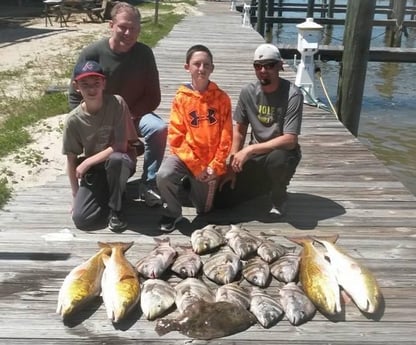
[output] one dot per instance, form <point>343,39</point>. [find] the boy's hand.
<point>207,175</point>
<point>229,176</point>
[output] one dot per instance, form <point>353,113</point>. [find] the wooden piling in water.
<point>357,38</point>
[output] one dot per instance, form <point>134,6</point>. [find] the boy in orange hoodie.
<point>200,138</point>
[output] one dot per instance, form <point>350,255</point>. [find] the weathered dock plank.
<point>339,187</point>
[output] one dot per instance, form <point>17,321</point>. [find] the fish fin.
<point>127,276</point>
<point>164,326</point>
<point>76,274</point>
<point>105,259</point>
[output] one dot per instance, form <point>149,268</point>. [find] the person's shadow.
<point>304,211</point>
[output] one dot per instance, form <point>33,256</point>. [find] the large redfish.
<point>120,284</point>
<point>355,279</point>
<point>318,278</point>
<point>81,285</point>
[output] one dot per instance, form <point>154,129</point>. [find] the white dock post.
<point>246,16</point>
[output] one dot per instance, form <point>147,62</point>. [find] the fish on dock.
<point>286,268</point>
<point>157,296</point>
<point>205,321</point>
<point>241,241</point>
<point>158,260</point>
<point>190,291</point>
<point>256,271</point>
<point>207,239</point>
<point>81,285</point>
<point>233,293</point>
<point>318,278</point>
<point>270,251</point>
<point>222,267</point>
<point>187,263</point>
<point>356,280</point>
<point>265,308</point>
<point>296,305</point>
<point>120,283</point>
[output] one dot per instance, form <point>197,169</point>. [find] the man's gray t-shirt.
<point>270,114</point>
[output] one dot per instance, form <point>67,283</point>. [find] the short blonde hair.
<point>125,7</point>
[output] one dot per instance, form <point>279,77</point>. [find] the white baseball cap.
<point>267,51</point>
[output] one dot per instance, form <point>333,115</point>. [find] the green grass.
<point>18,113</point>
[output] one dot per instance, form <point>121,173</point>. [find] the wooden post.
<point>156,19</point>
<point>357,36</point>
<point>399,7</point>
<point>270,13</point>
<point>311,5</point>
<point>261,10</point>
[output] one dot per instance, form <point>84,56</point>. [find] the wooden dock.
<point>339,188</point>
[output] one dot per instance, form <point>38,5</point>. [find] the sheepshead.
<point>241,241</point>
<point>206,321</point>
<point>222,267</point>
<point>158,260</point>
<point>157,297</point>
<point>265,308</point>
<point>187,264</point>
<point>81,285</point>
<point>359,283</point>
<point>318,278</point>
<point>207,239</point>
<point>191,290</point>
<point>233,293</point>
<point>297,306</point>
<point>270,251</point>
<point>120,284</point>
<point>286,268</point>
<point>256,271</point>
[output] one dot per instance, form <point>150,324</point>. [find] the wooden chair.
<point>97,12</point>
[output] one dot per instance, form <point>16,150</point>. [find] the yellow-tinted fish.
<point>355,279</point>
<point>81,285</point>
<point>120,284</point>
<point>318,278</point>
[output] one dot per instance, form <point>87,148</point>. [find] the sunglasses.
<point>267,66</point>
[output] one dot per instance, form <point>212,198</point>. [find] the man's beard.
<point>265,82</point>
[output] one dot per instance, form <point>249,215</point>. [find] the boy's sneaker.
<point>278,211</point>
<point>117,222</point>
<point>150,195</point>
<point>168,224</point>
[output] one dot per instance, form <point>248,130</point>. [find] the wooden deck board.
<point>339,187</point>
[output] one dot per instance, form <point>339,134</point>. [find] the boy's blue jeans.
<point>154,130</point>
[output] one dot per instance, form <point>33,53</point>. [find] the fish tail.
<point>124,245</point>
<point>301,240</point>
<point>331,238</point>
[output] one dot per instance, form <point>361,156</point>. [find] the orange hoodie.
<point>200,128</point>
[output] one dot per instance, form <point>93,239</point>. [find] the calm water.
<point>388,115</point>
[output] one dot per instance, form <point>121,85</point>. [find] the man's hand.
<point>240,158</point>
<point>82,169</point>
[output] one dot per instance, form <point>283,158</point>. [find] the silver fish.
<point>265,308</point>
<point>206,321</point>
<point>286,268</point>
<point>257,271</point>
<point>270,251</point>
<point>191,290</point>
<point>241,241</point>
<point>207,239</point>
<point>297,306</point>
<point>187,264</point>
<point>222,267</point>
<point>233,293</point>
<point>157,297</point>
<point>158,260</point>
